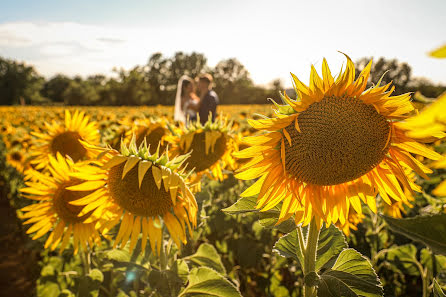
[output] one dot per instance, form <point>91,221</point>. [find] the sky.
<point>271,38</point>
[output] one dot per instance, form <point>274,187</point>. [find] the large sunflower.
<point>65,139</point>
<point>142,190</point>
<point>336,145</point>
<point>432,119</point>
<point>53,212</point>
<point>210,146</point>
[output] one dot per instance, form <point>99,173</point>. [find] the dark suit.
<point>208,105</point>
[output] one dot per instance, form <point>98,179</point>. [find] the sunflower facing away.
<point>65,139</point>
<point>153,131</point>
<point>338,144</point>
<point>210,146</point>
<point>53,211</point>
<point>142,190</point>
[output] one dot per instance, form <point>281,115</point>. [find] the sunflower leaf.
<point>429,230</point>
<point>433,263</point>
<point>243,205</point>
<point>268,219</point>
<point>331,242</point>
<point>352,275</point>
<point>404,259</point>
<point>204,281</point>
<point>288,246</point>
<point>438,292</point>
<point>207,256</point>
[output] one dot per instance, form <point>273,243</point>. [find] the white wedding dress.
<point>179,115</point>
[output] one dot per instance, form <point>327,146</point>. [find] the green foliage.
<point>288,246</point>
<point>207,282</point>
<point>331,242</point>
<point>351,275</point>
<point>19,83</point>
<point>404,258</point>
<point>267,219</point>
<point>429,230</point>
<point>438,292</point>
<point>207,255</point>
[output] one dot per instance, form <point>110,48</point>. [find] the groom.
<point>208,98</point>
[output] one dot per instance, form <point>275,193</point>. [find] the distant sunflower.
<point>210,147</point>
<point>142,190</point>
<point>53,212</point>
<point>17,159</point>
<point>153,131</point>
<point>351,223</point>
<point>336,145</point>
<point>65,139</point>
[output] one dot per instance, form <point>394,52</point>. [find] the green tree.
<point>232,82</point>
<point>54,88</point>
<point>81,92</point>
<point>19,83</point>
<point>132,87</point>
<point>156,73</point>
<point>162,74</point>
<point>397,72</point>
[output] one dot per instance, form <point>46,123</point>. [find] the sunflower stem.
<point>85,262</point>
<point>310,255</point>
<point>163,260</point>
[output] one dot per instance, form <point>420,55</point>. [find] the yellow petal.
<point>156,172</point>
<point>88,186</point>
<point>143,166</point>
<point>131,162</point>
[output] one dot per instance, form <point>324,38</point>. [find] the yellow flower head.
<point>333,147</point>
<point>17,159</point>
<point>143,190</point>
<point>54,211</point>
<point>153,131</point>
<point>65,139</point>
<point>210,146</point>
<point>431,121</point>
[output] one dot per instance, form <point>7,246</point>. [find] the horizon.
<point>68,39</point>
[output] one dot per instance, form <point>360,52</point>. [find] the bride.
<point>187,102</point>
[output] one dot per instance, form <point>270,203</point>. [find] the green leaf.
<point>207,256</point>
<point>243,205</point>
<point>117,255</point>
<point>331,242</point>
<point>204,281</point>
<point>404,258</point>
<point>429,230</point>
<point>433,263</point>
<point>438,292</point>
<point>181,269</point>
<point>48,289</point>
<point>268,219</point>
<point>166,283</point>
<point>351,276</point>
<point>288,246</point>
<point>96,275</point>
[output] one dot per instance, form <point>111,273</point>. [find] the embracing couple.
<point>188,105</point>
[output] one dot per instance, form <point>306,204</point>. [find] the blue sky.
<point>271,38</point>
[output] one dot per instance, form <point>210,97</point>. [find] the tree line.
<point>156,82</point>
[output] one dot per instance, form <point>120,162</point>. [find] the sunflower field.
<point>338,191</point>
